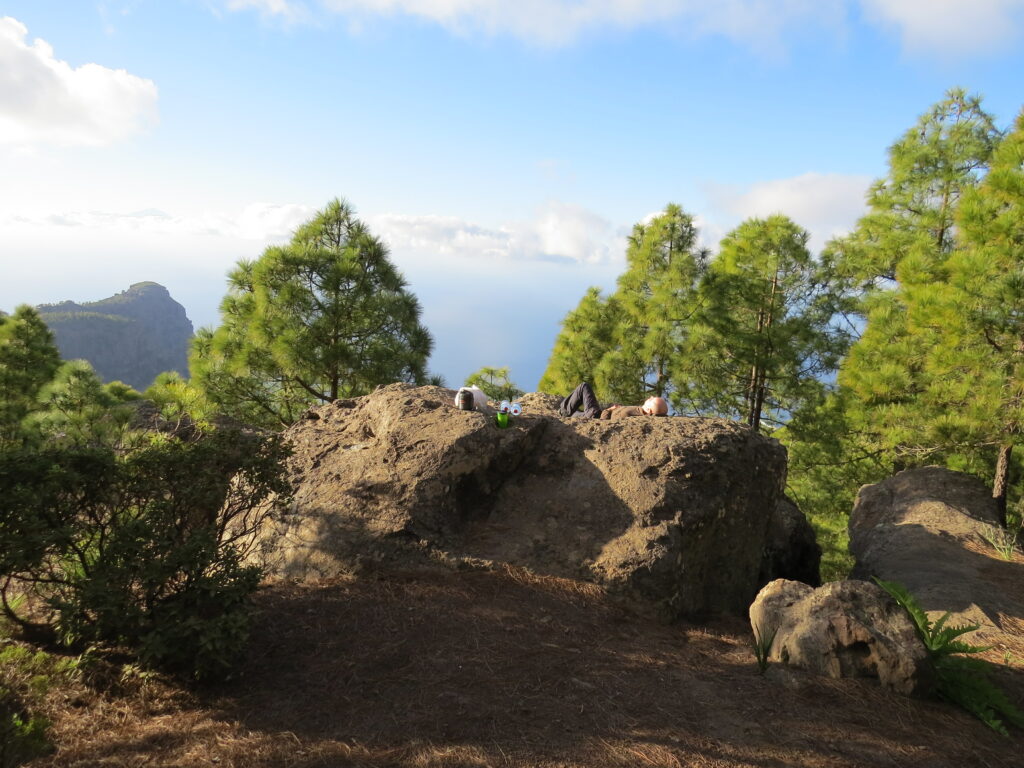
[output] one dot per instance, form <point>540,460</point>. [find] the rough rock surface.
<point>791,549</point>
<point>675,510</point>
<point>843,629</point>
<point>924,528</point>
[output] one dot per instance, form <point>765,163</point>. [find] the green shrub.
<point>145,550</point>
<point>22,737</point>
<point>960,679</point>
<point>26,675</point>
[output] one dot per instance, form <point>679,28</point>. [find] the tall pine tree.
<point>586,336</point>
<point>901,244</point>
<point>763,336</point>
<point>655,300</point>
<point>324,317</point>
<point>974,401</point>
<point>28,361</point>
<point>912,209</point>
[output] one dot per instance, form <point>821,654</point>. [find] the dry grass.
<point>505,668</point>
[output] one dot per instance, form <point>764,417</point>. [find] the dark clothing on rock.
<point>622,412</point>
<point>581,397</point>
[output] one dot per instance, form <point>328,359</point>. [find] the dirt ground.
<point>504,668</point>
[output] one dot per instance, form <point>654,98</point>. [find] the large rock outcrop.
<point>675,510</point>
<point>132,336</point>
<point>842,629</point>
<point>925,529</point>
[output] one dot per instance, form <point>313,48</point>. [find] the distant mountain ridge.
<point>131,336</point>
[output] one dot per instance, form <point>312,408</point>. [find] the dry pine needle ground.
<point>504,668</point>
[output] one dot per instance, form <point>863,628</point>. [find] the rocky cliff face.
<point>132,336</point>
<point>676,511</point>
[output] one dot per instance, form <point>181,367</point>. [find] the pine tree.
<point>28,361</point>
<point>763,335</point>
<point>828,463</point>
<point>324,317</point>
<point>76,409</point>
<point>902,245</point>
<point>495,383</point>
<point>586,337</point>
<point>655,299</point>
<point>179,400</point>
<point>911,210</point>
<point>974,401</point>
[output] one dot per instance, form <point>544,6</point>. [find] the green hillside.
<point>131,336</point>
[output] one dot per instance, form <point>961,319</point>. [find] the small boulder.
<point>843,629</point>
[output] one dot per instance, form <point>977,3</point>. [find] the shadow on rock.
<point>676,511</point>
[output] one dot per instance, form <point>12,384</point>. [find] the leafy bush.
<point>145,550</point>
<point>25,677</point>
<point>961,680</point>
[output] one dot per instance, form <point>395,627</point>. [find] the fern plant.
<point>960,679</point>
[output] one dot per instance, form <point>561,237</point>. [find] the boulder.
<point>924,528</point>
<point>791,548</point>
<point>843,629</point>
<point>674,510</point>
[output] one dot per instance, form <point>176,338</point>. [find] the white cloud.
<point>951,27</point>
<point>266,222</point>
<point>560,232</point>
<point>43,100</point>
<point>944,26</point>
<point>826,204</point>
<point>269,221</point>
<point>289,10</point>
<point>760,23</point>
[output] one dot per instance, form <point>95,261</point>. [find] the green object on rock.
<point>502,420</point>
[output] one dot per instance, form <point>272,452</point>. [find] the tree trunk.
<point>759,374</point>
<point>1002,481</point>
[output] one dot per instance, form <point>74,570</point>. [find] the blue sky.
<point>501,149</point>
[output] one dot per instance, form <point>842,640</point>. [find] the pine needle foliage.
<point>625,345</point>
<point>324,317</point>
<point>77,409</point>
<point>827,464</point>
<point>28,361</point>
<point>762,335</point>
<point>495,383</point>
<point>910,223</point>
<point>586,336</point>
<point>961,680</point>
<point>897,260</point>
<point>657,295</point>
